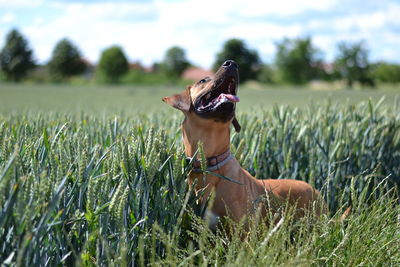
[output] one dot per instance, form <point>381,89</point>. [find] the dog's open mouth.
<point>222,94</point>
<point>218,101</point>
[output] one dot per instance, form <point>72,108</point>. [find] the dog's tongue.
<point>232,98</point>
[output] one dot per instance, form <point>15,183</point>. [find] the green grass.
<point>77,188</point>
<point>144,99</point>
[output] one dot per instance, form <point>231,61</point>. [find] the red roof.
<point>196,73</point>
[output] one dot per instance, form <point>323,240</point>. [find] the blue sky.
<point>145,29</point>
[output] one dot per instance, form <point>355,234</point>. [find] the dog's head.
<point>211,98</point>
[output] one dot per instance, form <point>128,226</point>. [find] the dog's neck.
<point>214,136</point>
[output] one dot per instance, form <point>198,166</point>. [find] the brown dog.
<point>209,109</point>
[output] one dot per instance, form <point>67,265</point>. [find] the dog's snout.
<point>229,63</point>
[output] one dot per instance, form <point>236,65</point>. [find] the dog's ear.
<point>179,101</point>
<point>236,125</point>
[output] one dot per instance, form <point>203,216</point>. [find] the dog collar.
<point>213,163</point>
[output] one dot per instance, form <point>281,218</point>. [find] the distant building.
<point>196,74</point>
<point>137,65</point>
<point>328,67</point>
<point>89,70</point>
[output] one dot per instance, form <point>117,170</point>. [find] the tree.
<point>387,72</point>
<point>175,62</point>
<point>352,64</point>
<point>297,60</point>
<point>247,59</point>
<point>16,58</point>
<point>266,74</point>
<point>113,64</point>
<point>66,60</point>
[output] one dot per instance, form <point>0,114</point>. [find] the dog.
<point>209,109</point>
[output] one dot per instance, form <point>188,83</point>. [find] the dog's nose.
<point>229,63</point>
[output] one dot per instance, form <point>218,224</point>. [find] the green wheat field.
<point>97,177</point>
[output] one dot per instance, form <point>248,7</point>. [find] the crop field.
<point>133,100</point>
<point>97,177</point>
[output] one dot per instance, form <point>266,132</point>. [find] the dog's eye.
<point>204,80</point>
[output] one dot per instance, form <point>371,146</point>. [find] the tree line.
<point>297,61</point>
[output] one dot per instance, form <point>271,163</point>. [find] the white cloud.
<point>363,22</point>
<point>93,27</point>
<point>393,14</point>
<point>376,27</point>
<point>252,8</point>
<point>20,3</point>
<point>108,10</point>
<point>389,54</point>
<point>262,30</point>
<point>7,18</point>
<point>145,30</point>
<point>198,26</point>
